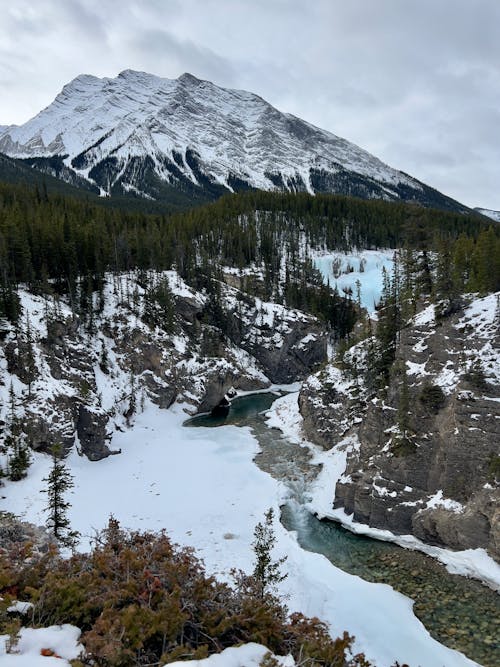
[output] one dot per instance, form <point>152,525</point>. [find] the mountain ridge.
<point>144,135</point>
<point>489,213</point>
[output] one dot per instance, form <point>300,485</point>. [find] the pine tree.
<point>476,375</point>
<point>59,482</point>
<point>403,414</point>
<point>486,263</point>
<point>159,306</point>
<point>132,399</point>
<point>30,370</point>
<point>19,458</point>
<point>403,443</point>
<point>424,275</point>
<point>267,572</point>
<point>408,295</point>
<point>386,332</point>
<point>446,288</point>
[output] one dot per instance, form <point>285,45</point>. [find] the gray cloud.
<point>415,82</point>
<point>182,54</point>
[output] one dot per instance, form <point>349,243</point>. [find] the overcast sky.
<point>416,82</point>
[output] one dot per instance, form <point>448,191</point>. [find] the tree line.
<point>48,241</point>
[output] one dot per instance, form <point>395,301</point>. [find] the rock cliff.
<point>434,472</point>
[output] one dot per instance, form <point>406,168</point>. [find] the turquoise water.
<point>459,612</point>
<point>242,410</point>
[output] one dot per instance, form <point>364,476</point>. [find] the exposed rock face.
<point>53,425</point>
<point>285,342</point>
<point>76,381</point>
<point>91,430</point>
<point>438,482</point>
<point>215,388</point>
<point>300,351</point>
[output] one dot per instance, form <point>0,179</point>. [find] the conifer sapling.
<point>59,481</point>
<point>267,572</point>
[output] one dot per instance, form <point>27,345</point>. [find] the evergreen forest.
<point>66,245</point>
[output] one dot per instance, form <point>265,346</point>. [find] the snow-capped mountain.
<point>149,136</point>
<point>494,215</point>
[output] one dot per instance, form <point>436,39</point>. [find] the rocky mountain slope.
<point>165,139</point>
<point>427,458</point>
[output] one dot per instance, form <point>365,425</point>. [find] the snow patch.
<point>437,500</point>
<point>63,640</point>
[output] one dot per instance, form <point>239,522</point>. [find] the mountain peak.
<point>192,135</point>
<point>188,78</point>
<point>133,75</point>
<point>81,79</point>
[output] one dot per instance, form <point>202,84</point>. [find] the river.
<point>459,612</point>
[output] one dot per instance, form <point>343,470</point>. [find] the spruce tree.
<point>386,332</point>
<point>267,572</point>
<point>19,457</point>
<point>27,347</point>
<point>59,482</point>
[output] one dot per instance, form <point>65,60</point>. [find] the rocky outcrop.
<point>303,348</point>
<point>54,424</point>
<point>91,429</point>
<point>434,472</point>
<point>286,343</point>
<point>477,524</point>
<point>329,406</point>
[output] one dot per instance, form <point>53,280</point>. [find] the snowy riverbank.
<point>203,487</point>
<point>285,416</point>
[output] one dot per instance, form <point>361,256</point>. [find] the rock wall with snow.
<point>66,381</point>
<point>441,481</point>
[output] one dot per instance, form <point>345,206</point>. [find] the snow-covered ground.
<point>203,487</point>
<point>479,323</point>
<point>370,277</point>
<point>59,644</point>
<point>42,647</point>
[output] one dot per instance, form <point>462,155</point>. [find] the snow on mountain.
<point>138,130</point>
<point>494,215</point>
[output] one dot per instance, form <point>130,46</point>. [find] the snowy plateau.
<point>146,136</point>
<point>202,485</point>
